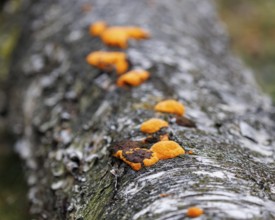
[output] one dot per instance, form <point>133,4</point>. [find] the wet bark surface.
<point>68,115</point>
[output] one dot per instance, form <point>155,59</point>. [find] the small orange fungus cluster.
<point>162,148</point>
<point>153,125</point>
<point>170,106</point>
<point>135,155</point>
<point>117,36</point>
<point>194,212</point>
<point>133,78</point>
<point>108,61</point>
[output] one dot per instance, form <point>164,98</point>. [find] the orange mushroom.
<point>194,212</point>
<point>132,153</point>
<point>118,36</point>
<point>170,106</point>
<point>133,78</point>
<point>167,149</point>
<point>108,61</point>
<point>115,36</point>
<point>136,157</point>
<point>153,125</point>
<point>137,33</point>
<point>97,28</point>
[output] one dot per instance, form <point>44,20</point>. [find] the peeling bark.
<point>72,114</point>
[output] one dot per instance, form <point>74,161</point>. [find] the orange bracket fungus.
<point>133,78</point>
<point>153,125</point>
<point>194,212</point>
<point>134,156</point>
<point>167,149</point>
<point>108,61</point>
<point>119,36</point>
<point>97,28</point>
<point>137,33</point>
<point>115,36</point>
<point>170,106</point>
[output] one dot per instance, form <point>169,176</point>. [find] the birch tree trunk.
<point>68,114</point>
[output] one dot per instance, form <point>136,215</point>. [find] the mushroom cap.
<point>97,28</point>
<point>137,33</point>
<point>133,78</point>
<point>115,36</point>
<point>121,66</point>
<point>153,125</point>
<point>108,60</point>
<point>118,36</point>
<point>170,106</point>
<point>167,149</point>
<point>194,212</point>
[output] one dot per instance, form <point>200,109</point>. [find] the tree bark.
<point>69,114</point>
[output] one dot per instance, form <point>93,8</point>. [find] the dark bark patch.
<point>125,145</point>
<point>137,155</point>
<point>185,122</point>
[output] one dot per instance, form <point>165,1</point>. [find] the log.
<point>68,115</point>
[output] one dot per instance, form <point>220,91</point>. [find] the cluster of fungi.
<point>149,151</point>
<point>117,36</point>
<point>157,145</point>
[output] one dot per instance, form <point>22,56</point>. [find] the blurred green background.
<point>13,188</point>
<point>251,25</point>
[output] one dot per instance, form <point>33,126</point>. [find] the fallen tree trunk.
<point>72,114</point>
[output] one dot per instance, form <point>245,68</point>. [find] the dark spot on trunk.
<point>185,122</point>
<point>137,155</point>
